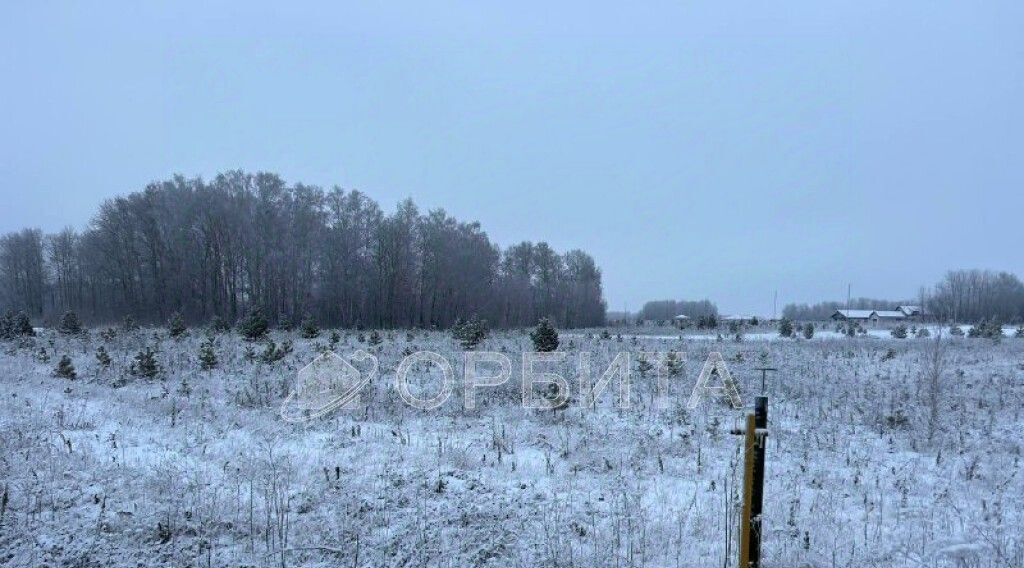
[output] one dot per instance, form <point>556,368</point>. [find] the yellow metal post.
<point>748,486</point>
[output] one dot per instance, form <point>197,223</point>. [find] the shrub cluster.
<point>990,329</point>
<point>13,326</point>
<point>254,326</point>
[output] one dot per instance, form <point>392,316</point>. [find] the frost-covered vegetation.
<point>171,451</point>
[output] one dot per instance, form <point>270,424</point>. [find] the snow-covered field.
<point>196,468</point>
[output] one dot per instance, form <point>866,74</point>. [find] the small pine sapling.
<point>23,325</point>
<point>309,328</point>
<point>254,326</point>
<point>545,336</point>
<point>643,366</point>
<point>269,354</point>
<point>673,364</point>
<point>219,325</point>
<point>556,399</point>
<point>176,326</point>
<point>470,333</point>
<point>272,353</point>
<point>145,364</point>
<point>207,355</point>
<point>65,369</point>
<point>102,357</point>
<point>185,389</point>
<point>785,327</point>
<point>995,330</point>
<point>69,324</point>
<point>809,331</point>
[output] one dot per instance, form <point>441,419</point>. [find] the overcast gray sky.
<point>712,149</point>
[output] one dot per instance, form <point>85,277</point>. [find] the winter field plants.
<point>882,452</point>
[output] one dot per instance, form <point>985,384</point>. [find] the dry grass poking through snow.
<point>873,460</point>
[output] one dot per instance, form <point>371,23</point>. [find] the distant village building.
<point>741,319</point>
<point>910,311</point>
<point>889,315</point>
<point>854,315</point>
<point>874,316</point>
<point>680,321</point>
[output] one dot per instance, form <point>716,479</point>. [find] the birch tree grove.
<point>974,295</point>
<point>251,241</point>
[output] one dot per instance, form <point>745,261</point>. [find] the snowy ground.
<point>195,468</point>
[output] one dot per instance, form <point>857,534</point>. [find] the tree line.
<point>977,295</point>
<point>665,310</point>
<point>243,242</point>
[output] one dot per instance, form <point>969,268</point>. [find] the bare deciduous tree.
<point>245,241</point>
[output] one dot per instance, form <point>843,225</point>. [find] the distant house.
<point>889,315</point>
<point>874,316</point>
<point>910,311</point>
<point>738,319</point>
<point>680,321</point>
<point>853,315</point>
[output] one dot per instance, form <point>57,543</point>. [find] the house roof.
<point>738,318</point>
<point>896,314</point>
<point>909,309</point>
<point>855,314</point>
<point>682,317</point>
